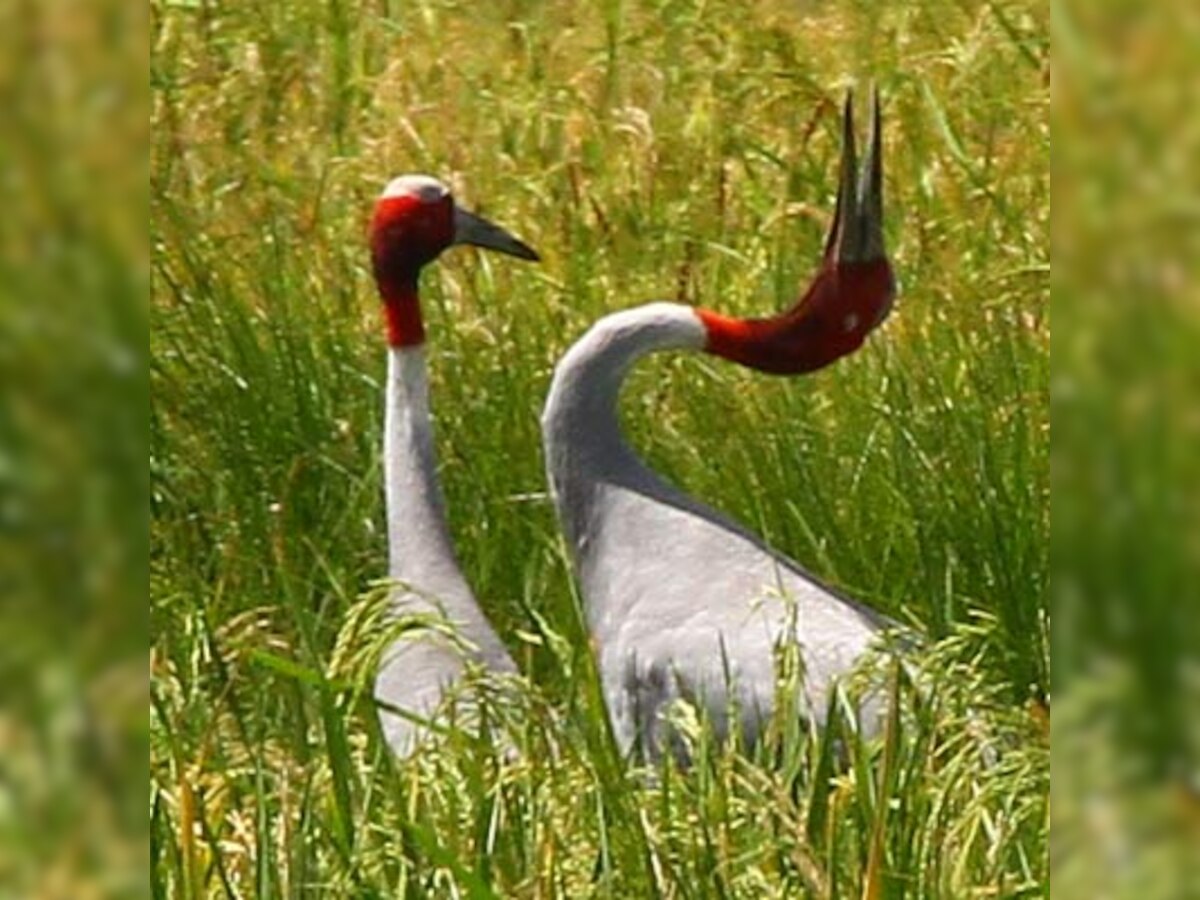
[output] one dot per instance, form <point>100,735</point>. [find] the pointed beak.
<point>856,234</point>
<point>472,229</point>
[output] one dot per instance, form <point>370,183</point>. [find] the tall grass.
<point>669,149</point>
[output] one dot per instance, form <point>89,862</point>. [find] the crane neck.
<point>580,428</point>
<point>402,308</point>
<point>581,408</point>
<point>419,547</point>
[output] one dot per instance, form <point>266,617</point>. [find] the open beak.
<point>472,229</point>
<point>856,234</point>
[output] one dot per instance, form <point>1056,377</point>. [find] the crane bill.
<point>835,243</point>
<point>473,229</point>
<point>870,187</point>
<point>856,234</point>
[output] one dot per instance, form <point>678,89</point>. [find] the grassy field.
<point>674,149</point>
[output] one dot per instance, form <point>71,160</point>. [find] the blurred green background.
<point>74,538</point>
<point>1126,401</point>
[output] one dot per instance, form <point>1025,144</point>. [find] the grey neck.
<point>580,428</point>
<point>419,548</point>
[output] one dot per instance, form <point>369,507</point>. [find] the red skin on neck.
<point>406,234</point>
<point>844,304</point>
<point>402,316</point>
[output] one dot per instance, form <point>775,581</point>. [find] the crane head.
<point>853,290</point>
<point>415,219</point>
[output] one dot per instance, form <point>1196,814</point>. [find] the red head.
<point>415,219</point>
<point>851,294</point>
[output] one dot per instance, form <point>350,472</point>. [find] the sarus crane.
<point>414,220</point>
<point>680,601</point>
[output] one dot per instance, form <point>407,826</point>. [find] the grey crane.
<point>414,220</point>
<point>682,602</point>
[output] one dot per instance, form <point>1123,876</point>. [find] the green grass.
<point>666,150</point>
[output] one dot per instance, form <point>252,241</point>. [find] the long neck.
<point>580,428</point>
<point>419,548</point>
